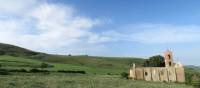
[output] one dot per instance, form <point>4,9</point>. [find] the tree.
<point>124,75</point>
<point>155,61</point>
<point>69,55</point>
<point>0,66</point>
<point>44,65</point>
<point>2,53</point>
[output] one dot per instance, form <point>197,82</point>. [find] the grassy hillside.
<point>18,62</point>
<point>102,62</point>
<point>13,57</point>
<point>17,57</point>
<point>10,62</point>
<point>6,49</point>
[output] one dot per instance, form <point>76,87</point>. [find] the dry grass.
<point>78,81</point>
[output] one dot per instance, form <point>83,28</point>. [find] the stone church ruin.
<point>172,72</point>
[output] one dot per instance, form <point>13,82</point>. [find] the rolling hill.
<point>16,57</point>
<point>13,57</point>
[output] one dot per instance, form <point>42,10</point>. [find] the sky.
<point>124,28</point>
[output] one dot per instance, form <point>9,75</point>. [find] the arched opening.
<point>146,73</point>
<point>169,56</point>
<point>170,63</point>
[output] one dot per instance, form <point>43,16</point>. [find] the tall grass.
<point>78,81</point>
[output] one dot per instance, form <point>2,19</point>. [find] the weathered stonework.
<point>163,74</point>
<point>139,73</point>
<point>180,75</point>
<point>172,72</point>
<point>147,74</point>
<point>155,74</point>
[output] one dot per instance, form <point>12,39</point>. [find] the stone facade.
<point>172,72</point>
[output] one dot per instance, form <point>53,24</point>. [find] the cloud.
<point>156,34</point>
<point>162,34</point>
<point>47,27</point>
<point>58,28</point>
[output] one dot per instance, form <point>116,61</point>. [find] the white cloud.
<point>57,28</point>
<point>156,34</point>
<point>161,34</point>
<point>52,28</point>
<point>14,7</point>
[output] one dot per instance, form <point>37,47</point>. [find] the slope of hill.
<point>16,57</point>
<point>13,57</point>
<point>6,49</point>
<point>10,62</point>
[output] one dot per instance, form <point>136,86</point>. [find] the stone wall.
<point>163,74</point>
<point>180,75</point>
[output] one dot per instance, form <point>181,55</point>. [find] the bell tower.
<point>168,58</point>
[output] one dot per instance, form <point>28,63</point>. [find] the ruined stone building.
<point>172,72</point>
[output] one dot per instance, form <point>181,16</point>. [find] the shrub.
<point>69,55</point>
<point>23,70</point>
<point>4,72</point>
<point>124,75</point>
<point>195,80</point>
<point>192,78</point>
<point>64,71</point>
<point>34,70</point>
<point>155,61</point>
<point>37,71</point>
<point>44,65</point>
<point>18,70</point>
<point>13,54</point>
<point>108,74</point>
<point>2,53</point>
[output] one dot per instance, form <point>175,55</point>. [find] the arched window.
<point>146,73</point>
<point>169,56</point>
<point>170,63</point>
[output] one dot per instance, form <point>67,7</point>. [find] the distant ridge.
<point>81,60</point>
<point>12,50</point>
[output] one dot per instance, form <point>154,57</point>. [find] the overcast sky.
<point>139,28</point>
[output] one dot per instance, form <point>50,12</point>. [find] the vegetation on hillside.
<point>155,61</point>
<point>84,60</point>
<point>6,49</point>
<point>24,61</point>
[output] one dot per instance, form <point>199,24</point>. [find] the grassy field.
<point>96,77</point>
<point>10,62</point>
<point>14,57</point>
<point>101,72</point>
<point>78,81</point>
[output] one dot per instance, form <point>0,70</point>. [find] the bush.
<point>18,70</point>
<point>155,61</point>
<point>108,74</point>
<point>64,71</point>
<point>195,80</point>
<point>37,70</point>
<point>34,70</point>
<point>2,53</point>
<point>192,78</point>
<point>69,55</point>
<point>44,65</point>
<point>4,72</point>
<point>13,54</point>
<point>124,75</point>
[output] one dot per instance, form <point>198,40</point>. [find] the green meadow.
<point>10,62</point>
<point>78,81</point>
<point>100,72</point>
